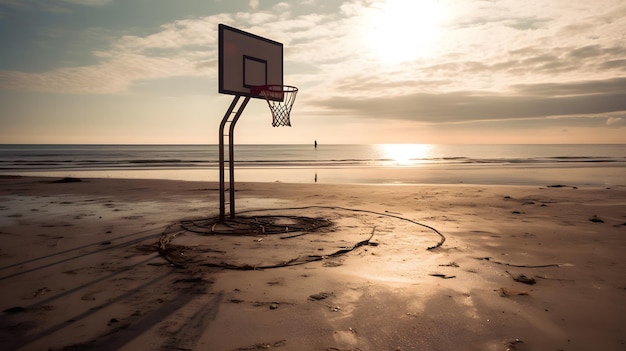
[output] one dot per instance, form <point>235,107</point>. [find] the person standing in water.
<point>315,144</point>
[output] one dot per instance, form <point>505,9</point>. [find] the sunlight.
<point>405,154</point>
<point>404,30</point>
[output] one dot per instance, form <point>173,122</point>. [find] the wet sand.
<point>521,268</point>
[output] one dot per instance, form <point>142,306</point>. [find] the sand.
<point>521,268</point>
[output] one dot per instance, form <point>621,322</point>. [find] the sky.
<point>368,71</point>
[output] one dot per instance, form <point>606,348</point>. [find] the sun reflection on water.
<point>405,154</point>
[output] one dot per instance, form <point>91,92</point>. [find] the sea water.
<point>576,165</point>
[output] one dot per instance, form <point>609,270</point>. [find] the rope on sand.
<point>255,225</point>
<point>521,265</point>
<point>441,236</point>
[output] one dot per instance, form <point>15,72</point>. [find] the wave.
<point>303,163</point>
<point>179,157</point>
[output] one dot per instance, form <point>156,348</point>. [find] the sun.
<point>404,30</point>
<point>405,154</point>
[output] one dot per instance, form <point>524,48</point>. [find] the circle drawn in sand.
<point>273,238</point>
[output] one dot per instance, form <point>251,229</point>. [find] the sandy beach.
<point>105,264</point>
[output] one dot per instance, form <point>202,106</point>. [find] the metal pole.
<point>231,155</point>
<point>221,156</point>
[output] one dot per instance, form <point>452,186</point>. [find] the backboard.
<point>247,60</point>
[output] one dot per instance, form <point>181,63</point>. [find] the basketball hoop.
<point>280,99</point>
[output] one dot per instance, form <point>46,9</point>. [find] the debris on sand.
<point>40,292</point>
<point>504,292</point>
<point>66,180</point>
<point>333,308</point>
<point>263,345</point>
<point>521,278</point>
<point>444,276</point>
<point>490,259</point>
<point>515,345</point>
<point>451,264</point>
<point>596,219</point>
<point>16,309</point>
<point>320,296</point>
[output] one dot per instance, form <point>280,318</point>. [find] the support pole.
<point>221,157</point>
<point>231,155</point>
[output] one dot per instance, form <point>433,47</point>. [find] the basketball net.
<point>280,99</point>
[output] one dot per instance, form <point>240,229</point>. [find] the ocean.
<point>574,165</point>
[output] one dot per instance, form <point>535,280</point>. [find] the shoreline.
<point>486,174</point>
<point>79,259</point>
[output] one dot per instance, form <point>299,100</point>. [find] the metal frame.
<point>231,154</point>
<point>236,49</point>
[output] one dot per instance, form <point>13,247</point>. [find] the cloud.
<point>8,6</point>
<point>110,77</point>
<point>581,99</point>
<point>615,122</point>
<point>489,52</point>
<point>587,87</point>
<point>181,48</point>
<point>88,2</point>
<point>47,5</point>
